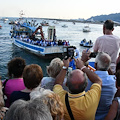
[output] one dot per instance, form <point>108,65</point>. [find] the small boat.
<point>65,26</point>
<point>27,37</point>
<point>85,43</point>
<point>86,29</point>
<point>0,27</point>
<point>44,23</point>
<point>55,22</point>
<point>74,23</point>
<point>88,44</point>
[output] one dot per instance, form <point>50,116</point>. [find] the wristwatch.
<point>64,68</point>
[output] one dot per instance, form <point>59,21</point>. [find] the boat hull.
<point>48,52</point>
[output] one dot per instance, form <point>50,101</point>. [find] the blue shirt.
<point>72,63</point>
<point>107,93</point>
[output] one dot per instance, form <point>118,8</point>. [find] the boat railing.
<point>43,43</point>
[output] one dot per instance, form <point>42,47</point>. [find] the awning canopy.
<point>28,26</point>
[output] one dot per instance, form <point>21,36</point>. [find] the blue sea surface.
<point>73,34</point>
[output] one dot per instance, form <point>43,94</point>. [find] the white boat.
<point>44,23</point>
<point>28,37</point>
<point>65,26</point>
<point>55,22</point>
<point>86,29</point>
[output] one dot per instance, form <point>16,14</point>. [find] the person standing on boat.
<point>108,43</point>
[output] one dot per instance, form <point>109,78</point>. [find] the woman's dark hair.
<point>16,67</point>
<point>32,76</point>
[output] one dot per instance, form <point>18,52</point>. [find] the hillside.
<point>114,17</point>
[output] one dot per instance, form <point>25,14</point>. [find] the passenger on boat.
<point>90,41</point>
<point>32,76</point>
<point>15,81</point>
<point>60,42</point>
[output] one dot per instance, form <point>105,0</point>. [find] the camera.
<point>70,52</point>
<point>93,54</point>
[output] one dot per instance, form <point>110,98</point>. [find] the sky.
<point>59,9</point>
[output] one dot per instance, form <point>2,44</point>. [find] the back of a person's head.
<point>76,81</point>
<point>28,110</point>
<point>55,67</point>
<point>32,76</point>
<point>16,67</point>
<point>103,61</point>
<point>109,24</point>
<point>51,99</point>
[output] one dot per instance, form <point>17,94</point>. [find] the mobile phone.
<point>70,52</point>
<point>93,54</point>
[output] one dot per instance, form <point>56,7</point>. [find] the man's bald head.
<point>76,81</point>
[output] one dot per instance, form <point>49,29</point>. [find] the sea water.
<point>73,33</point>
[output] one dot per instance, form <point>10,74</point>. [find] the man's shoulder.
<point>115,36</point>
<point>101,37</point>
<point>104,75</point>
<point>59,89</point>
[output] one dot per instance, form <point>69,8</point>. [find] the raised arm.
<point>60,77</point>
<point>94,78</point>
<point>113,111</point>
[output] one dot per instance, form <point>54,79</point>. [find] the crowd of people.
<point>41,42</point>
<point>66,94</point>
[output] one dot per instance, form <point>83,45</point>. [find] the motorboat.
<point>65,26</point>
<point>44,23</point>
<point>88,44</point>
<point>86,29</point>
<point>55,22</point>
<point>32,39</point>
<point>85,43</point>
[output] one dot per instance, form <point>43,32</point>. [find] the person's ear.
<point>95,66</point>
<point>112,29</point>
<point>66,84</point>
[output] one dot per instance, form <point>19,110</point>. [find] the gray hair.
<point>28,110</point>
<point>51,99</point>
<point>103,61</point>
<point>55,67</point>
